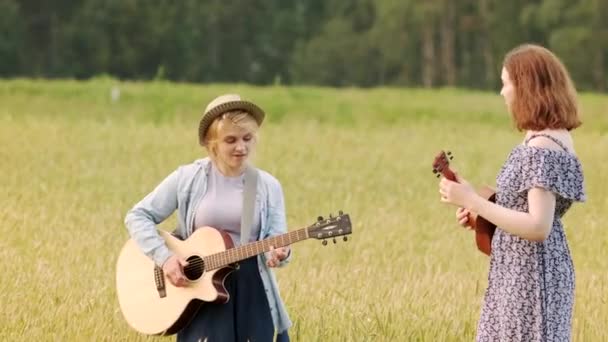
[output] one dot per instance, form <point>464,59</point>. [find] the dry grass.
<point>72,164</point>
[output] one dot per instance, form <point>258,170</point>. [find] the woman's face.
<point>233,147</point>
<point>508,90</point>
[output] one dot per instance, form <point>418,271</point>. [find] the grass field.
<point>72,162</point>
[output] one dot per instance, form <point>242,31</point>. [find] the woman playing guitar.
<point>209,192</point>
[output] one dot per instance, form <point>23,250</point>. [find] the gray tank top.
<point>222,205</point>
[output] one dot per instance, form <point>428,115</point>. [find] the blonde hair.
<point>238,118</point>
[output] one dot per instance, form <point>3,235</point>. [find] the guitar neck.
<point>449,174</point>
<point>230,256</point>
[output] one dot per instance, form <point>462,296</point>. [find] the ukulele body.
<point>484,229</point>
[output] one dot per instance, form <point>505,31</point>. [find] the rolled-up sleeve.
<point>277,221</point>
<point>142,219</point>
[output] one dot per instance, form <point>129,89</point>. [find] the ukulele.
<point>153,306</point>
<point>484,229</point>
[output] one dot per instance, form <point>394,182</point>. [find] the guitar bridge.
<point>159,279</point>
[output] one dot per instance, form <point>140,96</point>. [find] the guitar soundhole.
<point>195,268</point>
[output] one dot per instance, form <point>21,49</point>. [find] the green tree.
<point>11,36</point>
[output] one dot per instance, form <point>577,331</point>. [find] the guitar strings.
<point>217,259</point>
<point>220,259</point>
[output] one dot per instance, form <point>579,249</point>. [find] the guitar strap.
<point>249,191</point>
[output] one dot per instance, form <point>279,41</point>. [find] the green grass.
<point>72,163</point>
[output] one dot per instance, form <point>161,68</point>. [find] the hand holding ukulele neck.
<point>484,229</point>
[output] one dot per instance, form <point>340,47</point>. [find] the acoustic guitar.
<point>152,305</point>
<point>484,229</point>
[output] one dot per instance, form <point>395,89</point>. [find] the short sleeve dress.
<point>530,291</point>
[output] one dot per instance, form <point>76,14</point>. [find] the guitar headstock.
<point>441,165</point>
<point>330,227</point>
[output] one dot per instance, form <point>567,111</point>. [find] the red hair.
<point>545,97</point>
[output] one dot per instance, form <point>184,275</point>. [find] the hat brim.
<point>255,111</point>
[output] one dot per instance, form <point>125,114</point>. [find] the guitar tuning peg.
<point>335,241</point>
<point>331,216</point>
<point>345,238</point>
<point>340,213</point>
<point>320,218</point>
<point>435,171</point>
<point>324,242</point>
<point>449,153</point>
<point>437,175</point>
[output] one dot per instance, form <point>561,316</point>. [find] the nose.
<point>241,146</point>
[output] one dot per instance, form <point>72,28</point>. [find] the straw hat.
<point>223,104</point>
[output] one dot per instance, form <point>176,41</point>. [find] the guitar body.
<point>484,229</point>
<point>150,311</point>
<point>153,306</point>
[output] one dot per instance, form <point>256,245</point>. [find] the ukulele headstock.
<point>330,227</point>
<point>441,165</point>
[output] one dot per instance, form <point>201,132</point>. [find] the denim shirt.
<point>182,190</point>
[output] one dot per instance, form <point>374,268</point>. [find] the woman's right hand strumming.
<point>462,215</point>
<point>174,269</point>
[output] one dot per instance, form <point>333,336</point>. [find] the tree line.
<point>365,43</point>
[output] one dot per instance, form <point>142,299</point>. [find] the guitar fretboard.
<point>236,254</point>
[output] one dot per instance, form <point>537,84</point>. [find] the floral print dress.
<point>530,290</point>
